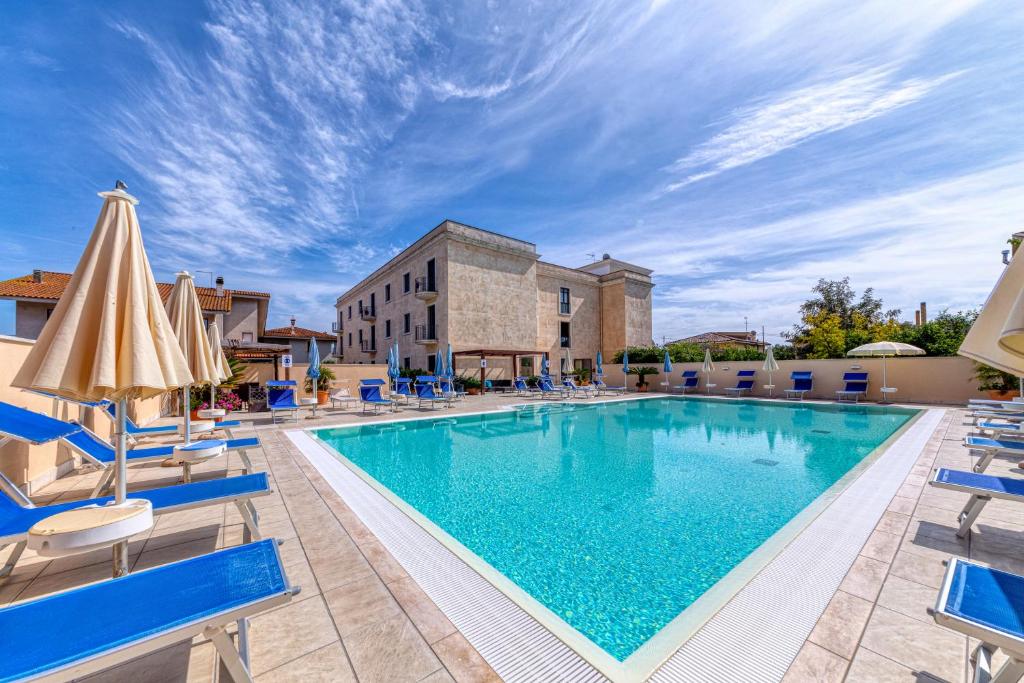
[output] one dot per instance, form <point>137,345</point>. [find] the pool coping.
<point>668,644</point>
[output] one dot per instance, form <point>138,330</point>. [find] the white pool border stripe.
<point>754,636</point>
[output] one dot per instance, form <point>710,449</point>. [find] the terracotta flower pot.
<point>473,391</point>
<point>1001,395</point>
<point>195,415</point>
<point>642,388</point>
<point>322,396</point>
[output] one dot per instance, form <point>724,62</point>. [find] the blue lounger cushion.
<point>1002,487</point>
<point>32,427</point>
<point>15,520</point>
<point>998,444</point>
<point>103,453</point>
<point>985,597</point>
<point>1004,426</point>
<point>130,610</point>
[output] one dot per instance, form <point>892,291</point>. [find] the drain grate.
<point>765,461</point>
<point>822,431</point>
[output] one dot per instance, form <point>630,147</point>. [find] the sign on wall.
<point>483,362</point>
<point>286,360</point>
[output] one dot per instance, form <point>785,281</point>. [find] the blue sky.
<point>740,151</point>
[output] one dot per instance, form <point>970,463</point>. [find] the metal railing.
<point>367,312</point>
<point>424,334</point>
<point>368,346</point>
<point>423,286</point>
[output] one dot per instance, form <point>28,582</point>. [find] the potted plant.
<point>584,375</point>
<point>641,373</point>
<point>1001,386</point>
<point>323,384</point>
<point>471,384</point>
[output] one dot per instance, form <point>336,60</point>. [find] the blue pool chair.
<point>575,389</point>
<point>136,432</point>
<point>856,387</point>
<point>547,388</point>
<point>986,416</point>
<point>990,448</point>
<point>98,452</point>
<point>803,382</point>
<point>744,383</point>
<point>425,392</point>
<point>448,389</point>
<point>521,388</point>
<point>18,513</point>
<point>690,382</point>
<point>369,395</point>
<point>27,426</point>
<point>403,388</point>
<point>982,488</point>
<point>600,387</point>
<point>1000,429</point>
<point>986,604</point>
<point>281,399</point>
<point>108,623</point>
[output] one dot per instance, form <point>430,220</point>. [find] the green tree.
<point>834,320</point>
<point>825,336</point>
<point>940,336</point>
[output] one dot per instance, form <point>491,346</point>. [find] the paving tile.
<point>841,624</point>
<point>893,523</point>
<point>815,664</point>
<point>869,667</point>
<point>881,546</point>
<point>439,676</point>
<point>289,632</point>
<point>390,651</point>
<point>431,621</point>
<point>463,662</point>
<point>909,598</point>
<point>329,663</point>
<point>904,506</point>
<point>382,562</point>
<point>865,577</point>
<point>360,603</point>
<point>923,647</point>
<point>924,570</point>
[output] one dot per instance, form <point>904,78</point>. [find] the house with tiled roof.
<point>297,338</point>
<point>241,314</point>
<point>723,340</point>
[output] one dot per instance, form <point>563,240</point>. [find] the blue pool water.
<point>617,516</point>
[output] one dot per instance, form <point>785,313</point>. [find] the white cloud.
<point>766,128</point>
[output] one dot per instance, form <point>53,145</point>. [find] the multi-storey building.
<point>492,298</point>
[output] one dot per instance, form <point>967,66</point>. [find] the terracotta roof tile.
<point>53,284</point>
<point>296,332</point>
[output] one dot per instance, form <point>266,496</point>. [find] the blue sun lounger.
<point>403,388</point>
<point>691,382</point>
<point>448,389</point>
<point>281,399</point>
<point>114,621</point>
<point>522,388</point>
<point>999,429</point>
<point>98,452</point>
<point>802,383</point>
<point>18,513</point>
<point>369,395</point>
<point>425,392</point>
<point>744,383</point>
<point>575,389</point>
<point>982,487</point>
<point>856,387</point>
<point>990,448</point>
<point>600,386</point>
<point>136,432</point>
<point>547,388</point>
<point>986,604</point>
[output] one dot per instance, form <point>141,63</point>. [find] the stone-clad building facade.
<point>481,291</point>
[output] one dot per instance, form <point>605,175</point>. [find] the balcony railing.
<point>335,328</point>
<point>564,342</point>
<point>425,289</point>
<point>367,313</point>
<point>368,346</point>
<point>424,335</point>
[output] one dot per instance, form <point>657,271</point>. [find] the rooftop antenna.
<point>593,256</point>
<point>210,273</point>
<point>746,327</point>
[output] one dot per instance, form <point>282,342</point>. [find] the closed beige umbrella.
<point>186,316</point>
<point>997,337</point>
<point>220,361</point>
<point>109,336</point>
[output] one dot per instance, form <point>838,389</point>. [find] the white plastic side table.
<point>198,427</point>
<point>90,527</point>
<point>887,393</point>
<point>709,387</point>
<point>212,413</point>
<point>770,388</point>
<point>189,454</point>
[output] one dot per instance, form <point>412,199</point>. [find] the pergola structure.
<point>497,353</point>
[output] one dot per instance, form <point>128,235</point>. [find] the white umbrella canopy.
<point>109,337</point>
<point>186,316</point>
<point>770,366</point>
<point>220,361</point>
<point>997,337</point>
<point>884,349</point>
<point>707,369</point>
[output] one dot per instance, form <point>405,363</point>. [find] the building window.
<point>407,363</point>
<point>405,283</point>
<point>406,323</point>
<point>360,335</point>
<point>431,363</point>
<point>564,307</point>
<point>387,293</point>
<point>563,335</point>
<point>247,337</point>
<point>350,340</point>
<point>349,312</point>
<point>387,329</point>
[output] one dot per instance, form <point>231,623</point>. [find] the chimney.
<point>917,318</point>
<point>37,275</point>
<point>924,313</point>
<point>293,323</point>
<point>220,285</point>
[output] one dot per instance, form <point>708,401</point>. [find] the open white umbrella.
<point>707,369</point>
<point>109,338</point>
<point>884,349</point>
<point>220,361</point>
<point>186,316</point>
<point>770,366</point>
<point>997,336</point>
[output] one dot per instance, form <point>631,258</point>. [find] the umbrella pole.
<point>121,483</point>
<point>188,409</point>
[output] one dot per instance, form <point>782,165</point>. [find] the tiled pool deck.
<point>360,617</point>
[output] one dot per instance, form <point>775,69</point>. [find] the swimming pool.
<point>618,516</point>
